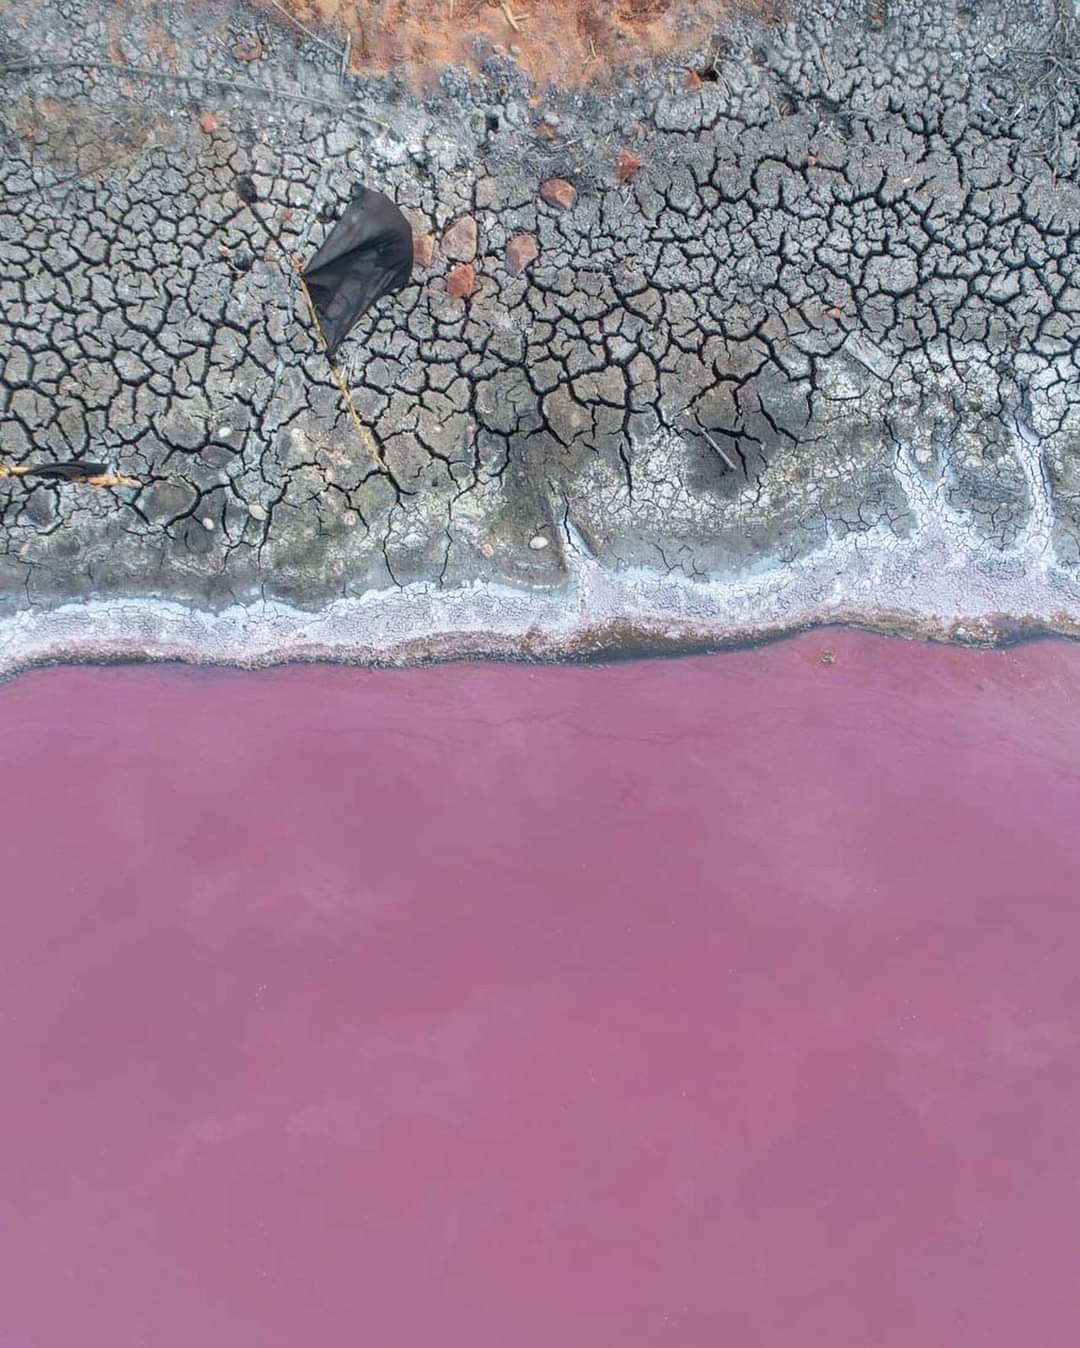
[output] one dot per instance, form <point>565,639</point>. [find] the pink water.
<point>732,1000</point>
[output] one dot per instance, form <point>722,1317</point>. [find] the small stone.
<point>835,312</point>
<point>693,80</point>
<point>248,49</point>
<point>256,511</point>
<point>462,281</point>
<point>558,192</point>
<point>538,543</point>
<point>209,123</point>
<point>626,165</point>
<point>827,657</point>
<point>487,549</point>
<point>423,250</point>
<point>207,524</point>
<point>459,241</point>
<point>520,252</point>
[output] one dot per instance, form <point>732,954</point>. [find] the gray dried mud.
<point>816,361</point>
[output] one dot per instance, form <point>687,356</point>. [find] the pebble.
<point>248,49</point>
<point>558,192</point>
<point>626,165</point>
<point>538,543</point>
<point>459,241</point>
<point>256,511</point>
<point>520,251</point>
<point>208,524</point>
<point>462,281</point>
<point>423,250</point>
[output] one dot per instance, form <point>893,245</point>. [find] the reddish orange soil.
<point>556,41</point>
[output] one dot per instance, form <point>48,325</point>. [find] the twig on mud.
<point>727,459</point>
<point>1046,79</point>
<point>514,20</point>
<point>303,28</point>
<point>241,86</point>
<point>363,434</point>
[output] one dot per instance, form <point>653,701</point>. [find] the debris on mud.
<point>368,254</point>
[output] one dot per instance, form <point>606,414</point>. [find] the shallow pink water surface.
<point>731,1000</point>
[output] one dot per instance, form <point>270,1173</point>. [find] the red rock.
<point>693,80</point>
<point>520,252</point>
<point>209,123</point>
<point>558,192</point>
<point>248,49</point>
<point>834,312</point>
<point>459,241</point>
<point>423,250</point>
<point>626,165</point>
<point>462,281</point>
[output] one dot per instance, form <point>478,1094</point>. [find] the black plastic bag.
<point>368,254</point>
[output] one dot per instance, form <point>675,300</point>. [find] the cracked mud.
<point>795,341</point>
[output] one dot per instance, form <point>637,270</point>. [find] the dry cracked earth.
<point>816,359</point>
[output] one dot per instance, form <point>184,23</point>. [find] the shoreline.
<point>936,595</point>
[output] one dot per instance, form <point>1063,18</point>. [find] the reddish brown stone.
<point>462,281</point>
<point>693,80</point>
<point>459,241</point>
<point>209,123</point>
<point>520,252</point>
<point>248,49</point>
<point>626,165</point>
<point>558,192</point>
<point>423,250</point>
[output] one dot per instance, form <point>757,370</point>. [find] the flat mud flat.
<point>722,1000</point>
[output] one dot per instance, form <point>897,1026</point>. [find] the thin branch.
<point>304,29</point>
<point>727,459</point>
<point>241,86</point>
<point>364,435</point>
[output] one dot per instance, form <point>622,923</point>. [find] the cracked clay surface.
<point>815,359</point>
